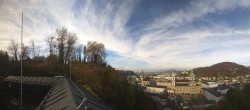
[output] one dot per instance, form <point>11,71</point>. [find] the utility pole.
<point>21,105</point>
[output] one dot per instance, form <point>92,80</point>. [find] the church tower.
<point>142,75</point>
<point>142,79</point>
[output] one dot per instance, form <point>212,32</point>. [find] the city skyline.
<point>140,34</point>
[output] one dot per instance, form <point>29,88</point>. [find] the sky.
<point>152,35</point>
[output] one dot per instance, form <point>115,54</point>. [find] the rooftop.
<point>64,94</point>
<point>181,80</point>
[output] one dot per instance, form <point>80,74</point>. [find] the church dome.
<point>191,75</point>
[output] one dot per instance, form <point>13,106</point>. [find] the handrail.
<point>83,100</point>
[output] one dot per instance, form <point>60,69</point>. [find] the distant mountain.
<point>165,71</point>
<point>222,69</point>
<point>125,73</point>
<point>248,67</point>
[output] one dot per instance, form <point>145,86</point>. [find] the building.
<point>212,94</point>
<point>186,87</point>
<point>63,94</point>
<point>166,83</point>
<point>154,89</point>
<point>190,86</point>
<point>215,94</point>
<point>191,76</point>
<point>208,84</point>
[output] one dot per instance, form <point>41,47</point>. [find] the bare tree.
<point>25,51</point>
<point>51,43</point>
<point>85,54</point>
<point>62,34</point>
<point>71,40</point>
<point>78,51</point>
<point>13,49</point>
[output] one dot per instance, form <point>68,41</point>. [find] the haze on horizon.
<point>139,34</point>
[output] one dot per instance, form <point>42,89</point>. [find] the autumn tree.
<point>96,52</point>
<point>13,49</point>
<point>235,99</point>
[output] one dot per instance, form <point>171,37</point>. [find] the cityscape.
<point>188,89</point>
<point>124,55</point>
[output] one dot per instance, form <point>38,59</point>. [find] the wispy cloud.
<point>176,47</point>
<point>90,21</point>
<point>167,41</point>
<point>197,9</point>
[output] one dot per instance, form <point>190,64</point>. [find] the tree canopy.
<point>96,52</point>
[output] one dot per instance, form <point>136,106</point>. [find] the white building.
<point>209,84</point>
<point>154,89</point>
<point>212,94</point>
<point>215,94</point>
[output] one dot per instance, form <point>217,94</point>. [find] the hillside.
<point>125,73</point>
<point>248,67</point>
<point>224,69</point>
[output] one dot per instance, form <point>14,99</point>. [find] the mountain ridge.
<point>224,69</point>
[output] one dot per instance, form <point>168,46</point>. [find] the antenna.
<point>21,65</point>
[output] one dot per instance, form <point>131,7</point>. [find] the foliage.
<point>96,52</point>
<point>224,69</point>
<point>95,75</point>
<point>61,33</point>
<point>90,91</point>
<point>4,56</point>
<point>236,99</point>
<point>110,86</point>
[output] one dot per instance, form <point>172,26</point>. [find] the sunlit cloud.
<point>170,40</point>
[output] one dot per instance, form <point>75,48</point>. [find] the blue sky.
<point>139,34</point>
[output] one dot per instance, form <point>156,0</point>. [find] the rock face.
<point>222,69</point>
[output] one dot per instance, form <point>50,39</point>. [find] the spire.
<point>142,75</point>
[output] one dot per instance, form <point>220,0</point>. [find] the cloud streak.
<point>167,41</point>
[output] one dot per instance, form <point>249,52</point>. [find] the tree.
<point>51,43</point>
<point>25,51</point>
<point>71,40</point>
<point>84,53</point>
<point>96,52</point>
<point>4,57</point>
<point>78,52</point>
<point>13,49</point>
<point>61,38</point>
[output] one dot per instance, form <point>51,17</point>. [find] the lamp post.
<point>21,93</point>
<point>70,67</point>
